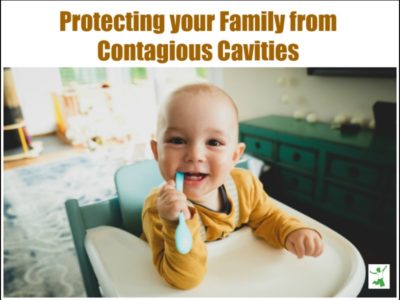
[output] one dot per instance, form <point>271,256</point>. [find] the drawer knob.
<point>296,156</point>
<point>353,172</point>
<point>258,145</point>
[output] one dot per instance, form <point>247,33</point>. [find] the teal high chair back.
<point>133,182</point>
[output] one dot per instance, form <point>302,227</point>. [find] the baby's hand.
<point>304,242</point>
<point>171,202</point>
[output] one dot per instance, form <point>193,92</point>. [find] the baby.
<point>197,134</point>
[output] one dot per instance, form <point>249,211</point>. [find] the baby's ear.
<point>237,154</point>
<point>153,144</point>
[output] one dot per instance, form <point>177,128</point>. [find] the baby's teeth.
<point>192,176</point>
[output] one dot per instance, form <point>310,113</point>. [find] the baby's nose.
<point>195,153</point>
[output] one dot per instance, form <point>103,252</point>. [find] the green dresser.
<point>348,175</point>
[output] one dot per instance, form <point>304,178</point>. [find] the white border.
<point>367,33</point>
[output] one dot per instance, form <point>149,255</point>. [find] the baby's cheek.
<point>223,161</point>
<point>168,165</point>
<point>165,171</point>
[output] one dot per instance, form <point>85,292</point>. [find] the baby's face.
<point>198,136</point>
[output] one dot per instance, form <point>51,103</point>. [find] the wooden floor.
<point>53,149</point>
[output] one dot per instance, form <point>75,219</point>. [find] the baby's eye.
<point>214,143</point>
<point>176,141</point>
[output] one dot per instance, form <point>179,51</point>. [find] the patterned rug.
<point>39,256</point>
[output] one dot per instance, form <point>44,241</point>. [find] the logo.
<point>378,276</point>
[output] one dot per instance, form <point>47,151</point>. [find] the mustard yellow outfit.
<point>255,209</point>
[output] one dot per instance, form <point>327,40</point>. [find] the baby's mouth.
<point>195,176</point>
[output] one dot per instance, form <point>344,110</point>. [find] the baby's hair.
<point>193,90</point>
<point>196,89</point>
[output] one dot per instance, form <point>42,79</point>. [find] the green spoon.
<point>183,236</point>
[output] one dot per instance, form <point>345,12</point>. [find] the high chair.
<point>114,262</point>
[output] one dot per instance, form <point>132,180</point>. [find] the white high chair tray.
<point>238,266</point>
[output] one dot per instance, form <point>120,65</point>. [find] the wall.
<point>34,86</point>
<point>259,91</point>
<point>137,102</point>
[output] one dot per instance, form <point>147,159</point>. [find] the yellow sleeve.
<point>262,215</point>
<point>179,270</point>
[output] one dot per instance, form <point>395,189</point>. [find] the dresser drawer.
<point>349,203</point>
<point>258,146</point>
<point>298,157</point>
<point>355,172</point>
<point>296,182</point>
